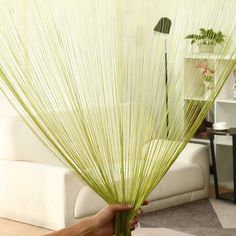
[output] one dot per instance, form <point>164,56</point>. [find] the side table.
<point>230,132</point>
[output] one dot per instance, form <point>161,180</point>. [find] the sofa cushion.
<point>180,178</point>
<point>20,144</point>
<point>187,177</point>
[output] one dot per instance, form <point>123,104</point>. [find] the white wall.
<point>189,18</point>
<point>216,14</point>
<point>5,107</point>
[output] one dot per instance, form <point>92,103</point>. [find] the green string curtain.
<point>88,77</point>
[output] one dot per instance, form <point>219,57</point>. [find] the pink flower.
<point>205,69</point>
<point>208,73</point>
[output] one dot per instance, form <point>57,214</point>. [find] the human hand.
<point>104,219</point>
<point>100,224</point>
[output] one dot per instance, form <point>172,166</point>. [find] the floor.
<point>13,228</point>
<point>225,210</point>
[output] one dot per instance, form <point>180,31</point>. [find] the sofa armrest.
<point>197,154</point>
<point>73,186</point>
<point>38,194</point>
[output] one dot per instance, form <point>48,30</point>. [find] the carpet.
<point>197,218</point>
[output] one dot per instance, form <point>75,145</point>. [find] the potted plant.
<point>206,39</point>
<point>208,77</point>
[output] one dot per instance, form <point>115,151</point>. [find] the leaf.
<point>191,36</point>
<point>207,36</point>
<point>202,30</point>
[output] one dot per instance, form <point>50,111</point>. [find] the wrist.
<point>86,227</point>
<point>93,222</point>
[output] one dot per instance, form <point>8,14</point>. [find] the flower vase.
<point>208,87</point>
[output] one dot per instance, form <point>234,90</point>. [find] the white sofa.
<point>35,188</point>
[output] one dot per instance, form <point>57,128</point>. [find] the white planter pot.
<point>204,48</point>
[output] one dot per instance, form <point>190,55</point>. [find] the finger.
<point>139,212</point>
<point>133,222</point>
<point>120,207</point>
<point>135,218</point>
<point>132,228</point>
<point>145,203</point>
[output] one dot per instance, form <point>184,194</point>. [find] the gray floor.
<point>198,218</point>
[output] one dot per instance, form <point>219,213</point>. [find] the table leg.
<point>234,166</point>
<point>214,165</point>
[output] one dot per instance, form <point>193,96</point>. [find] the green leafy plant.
<point>207,37</point>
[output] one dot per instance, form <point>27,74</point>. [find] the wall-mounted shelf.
<point>200,140</point>
<point>200,99</point>
<point>229,100</point>
<point>224,108</point>
<point>211,56</point>
<point>225,142</point>
<point>227,184</point>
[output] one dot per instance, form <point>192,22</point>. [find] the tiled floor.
<point>13,228</point>
<point>226,212</point>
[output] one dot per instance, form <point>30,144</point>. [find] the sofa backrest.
<point>19,143</point>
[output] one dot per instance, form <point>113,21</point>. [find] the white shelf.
<point>224,142</point>
<point>224,109</point>
<point>200,99</point>
<point>211,56</point>
<point>231,101</point>
<point>200,140</point>
<point>207,141</point>
<point>226,184</point>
